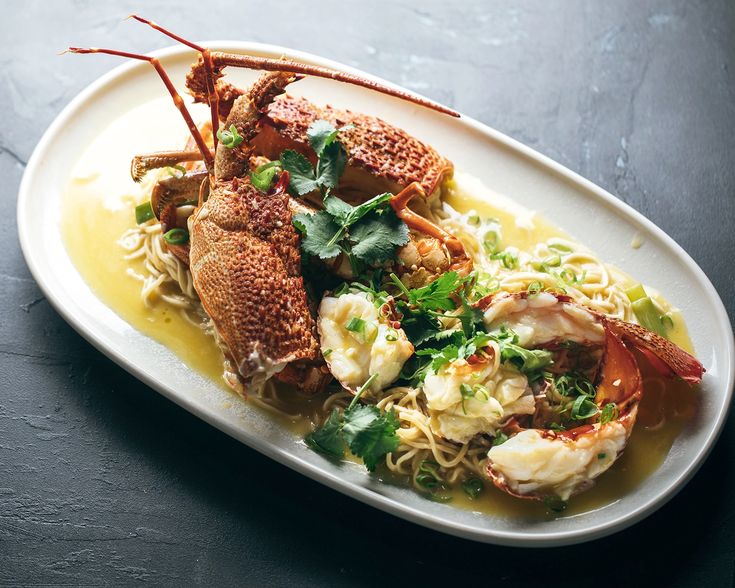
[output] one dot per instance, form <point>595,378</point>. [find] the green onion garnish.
<point>231,138</point>
<point>391,335</point>
<point>472,487</point>
<point>474,220</point>
<point>428,475</point>
<point>500,438</point>
<point>143,213</point>
<point>583,408</point>
<point>609,413</point>
<point>534,288</point>
<point>262,178</point>
<point>490,242</point>
<point>559,248</point>
<point>176,236</point>
<point>356,325</point>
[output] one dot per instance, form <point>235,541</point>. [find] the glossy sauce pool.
<point>98,208</point>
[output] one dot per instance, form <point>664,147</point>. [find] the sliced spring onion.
<point>583,408</point>
<point>262,178</point>
<point>176,168</point>
<point>391,335</point>
<point>636,293</point>
<point>474,220</point>
<point>560,248</point>
<point>609,413</point>
<point>230,138</point>
<point>472,487</point>
<point>490,242</point>
<point>356,325</point>
<point>534,288</point>
<point>428,475</point>
<point>327,352</point>
<point>500,438</point>
<point>553,261</point>
<point>648,315</point>
<point>555,504</point>
<point>143,213</point>
<point>176,236</point>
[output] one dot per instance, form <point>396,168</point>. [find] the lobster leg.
<point>142,164</point>
<point>454,246</point>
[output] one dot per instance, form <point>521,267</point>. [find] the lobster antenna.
<point>217,59</point>
<point>221,59</point>
<point>212,96</point>
<point>178,101</point>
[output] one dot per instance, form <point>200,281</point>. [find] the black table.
<point>102,481</point>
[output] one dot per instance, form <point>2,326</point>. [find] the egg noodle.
<point>556,264</point>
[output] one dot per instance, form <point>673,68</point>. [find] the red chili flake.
<point>473,359</point>
<point>396,324</point>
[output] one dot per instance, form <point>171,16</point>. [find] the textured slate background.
<point>104,482</point>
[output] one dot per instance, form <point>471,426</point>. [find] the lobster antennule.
<point>178,101</point>
<point>208,69</point>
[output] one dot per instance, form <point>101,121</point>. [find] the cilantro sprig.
<point>331,160</point>
<point>367,432</point>
<point>368,234</point>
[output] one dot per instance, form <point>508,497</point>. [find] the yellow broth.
<point>98,208</point>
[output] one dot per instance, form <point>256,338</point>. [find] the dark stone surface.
<point>102,481</point>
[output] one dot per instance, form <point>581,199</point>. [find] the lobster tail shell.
<point>664,355</point>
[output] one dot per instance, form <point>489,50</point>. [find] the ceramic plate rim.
<point>446,525</point>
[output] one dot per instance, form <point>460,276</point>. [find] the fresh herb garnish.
<point>608,413</point>
<point>555,504</point>
<point>262,177</point>
<point>368,233</point>
<point>583,408</point>
<point>143,213</point>
<point>472,487</point>
<point>500,438</point>
<point>172,169</point>
<point>230,138</point>
<point>176,236</point>
<point>331,160</point>
<point>367,432</point>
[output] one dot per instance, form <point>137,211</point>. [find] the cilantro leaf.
<point>319,230</point>
<point>327,438</point>
<point>301,174</point>
<point>321,134</point>
<point>330,165</point>
<point>376,237</point>
<point>526,360</point>
<point>368,206</point>
<point>338,208</point>
<point>369,434</point>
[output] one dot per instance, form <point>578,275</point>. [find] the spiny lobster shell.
<point>246,266</point>
<point>381,157</point>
